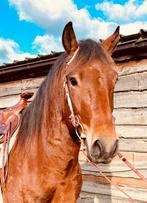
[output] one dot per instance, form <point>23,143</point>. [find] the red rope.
<point>132,167</point>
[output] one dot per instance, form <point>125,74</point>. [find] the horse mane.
<point>38,116</point>
<point>35,116</point>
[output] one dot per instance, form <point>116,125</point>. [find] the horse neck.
<point>54,133</point>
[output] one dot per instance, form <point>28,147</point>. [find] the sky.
<point>32,27</point>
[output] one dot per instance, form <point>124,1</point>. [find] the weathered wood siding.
<point>131,126</point>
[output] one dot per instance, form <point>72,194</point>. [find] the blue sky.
<point>28,28</point>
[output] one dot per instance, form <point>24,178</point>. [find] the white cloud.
<point>48,14</point>
<point>128,12</point>
<point>131,28</point>
<point>10,51</point>
<point>45,44</point>
<point>53,15</point>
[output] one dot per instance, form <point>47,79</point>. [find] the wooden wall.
<point>131,126</point>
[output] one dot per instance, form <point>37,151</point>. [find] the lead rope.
<point>124,159</point>
<point>101,173</point>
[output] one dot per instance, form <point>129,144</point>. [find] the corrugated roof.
<point>38,58</point>
<point>30,67</point>
<point>131,47</point>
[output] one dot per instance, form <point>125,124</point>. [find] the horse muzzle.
<point>99,152</point>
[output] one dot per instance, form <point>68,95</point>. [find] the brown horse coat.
<point>43,164</point>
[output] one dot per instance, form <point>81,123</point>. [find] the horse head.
<point>91,79</point>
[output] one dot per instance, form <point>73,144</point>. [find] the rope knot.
<point>74,120</point>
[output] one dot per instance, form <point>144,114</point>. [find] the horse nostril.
<point>96,149</point>
<point>115,149</point>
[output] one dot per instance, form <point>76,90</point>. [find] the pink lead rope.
<point>132,167</point>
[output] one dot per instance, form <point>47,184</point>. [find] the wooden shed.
<point>130,112</point>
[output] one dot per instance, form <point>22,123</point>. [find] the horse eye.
<point>73,81</point>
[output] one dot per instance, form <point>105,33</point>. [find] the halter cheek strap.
<point>73,118</point>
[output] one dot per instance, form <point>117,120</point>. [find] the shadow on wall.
<point>96,188</point>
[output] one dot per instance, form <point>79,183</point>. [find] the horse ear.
<point>69,41</point>
<point>110,43</point>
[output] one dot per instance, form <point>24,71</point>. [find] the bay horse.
<point>43,163</point>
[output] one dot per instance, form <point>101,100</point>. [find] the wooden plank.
<point>137,81</point>
<point>119,174</point>
<point>128,82</point>
<point>133,145</point>
<point>10,88</point>
<point>138,132</point>
<point>130,116</point>
<point>10,84</point>
<point>117,167</point>
<point>98,198</point>
<point>90,198</point>
<point>120,181</point>
<point>32,83</point>
<point>85,200</point>
<point>132,67</point>
<point>94,188</point>
<point>130,99</point>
